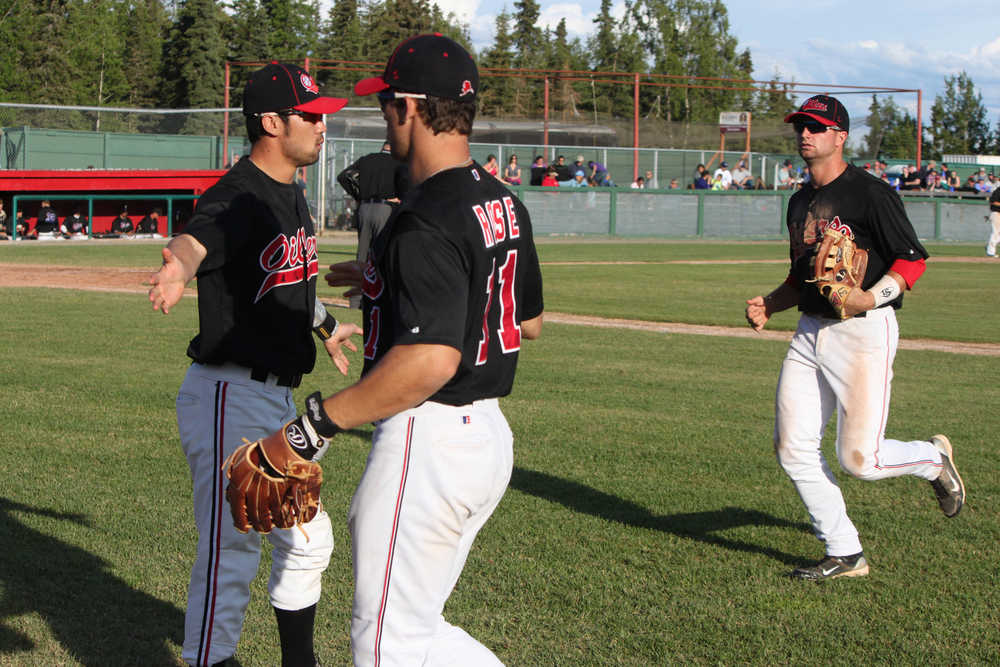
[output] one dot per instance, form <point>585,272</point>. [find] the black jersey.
<point>455,265</point>
<point>863,204</point>
<point>257,284</point>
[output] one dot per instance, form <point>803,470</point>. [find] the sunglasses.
<point>285,113</point>
<point>813,127</point>
<point>386,96</point>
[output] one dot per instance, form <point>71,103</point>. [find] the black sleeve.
<point>219,224</point>
<point>892,231</point>
<point>995,200</point>
<point>401,179</point>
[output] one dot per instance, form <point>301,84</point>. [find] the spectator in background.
<point>598,173</point>
<point>993,182</point>
<point>651,183</point>
<point>742,178</point>
<point>698,172</point>
<point>4,229</point>
<point>910,179</point>
<point>47,222</point>
<point>75,225</point>
<point>512,172</point>
<point>492,167</point>
<point>150,223</point>
<point>563,172</point>
<point>122,224</point>
<point>21,226</point>
<point>932,181</point>
<point>551,178</point>
<point>702,179</point>
<point>923,173</point>
<point>538,170</point>
<point>578,165</point>
<point>638,184</point>
<point>787,178</point>
<point>674,184</point>
<point>723,178</point>
<point>970,185</point>
<point>954,182</point>
<point>579,180</point>
<point>878,168</point>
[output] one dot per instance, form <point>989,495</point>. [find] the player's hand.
<point>339,340</point>
<point>168,283</point>
<point>757,315</point>
<point>858,301</point>
<point>346,274</point>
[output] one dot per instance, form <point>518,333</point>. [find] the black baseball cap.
<point>822,109</point>
<point>279,86</point>
<point>429,64</point>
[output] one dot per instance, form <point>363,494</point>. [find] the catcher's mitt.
<point>838,267</point>
<point>271,486</point>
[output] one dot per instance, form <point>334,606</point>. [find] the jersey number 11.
<point>509,331</point>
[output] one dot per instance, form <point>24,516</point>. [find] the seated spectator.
<point>910,180</point>
<point>994,182</point>
<point>698,172</point>
<point>722,179</point>
<point>954,182</point>
<point>563,172</point>
<point>4,229</point>
<point>491,166</point>
<point>21,226</point>
<point>742,178</point>
<point>701,181</point>
<point>538,170</point>
<point>512,172</point>
<point>75,225</point>
<point>970,185</point>
<point>47,222</point>
<point>787,178</point>
<point>122,224</point>
<point>551,178</point>
<point>579,180</point>
<point>638,184</point>
<point>932,181</point>
<point>150,223</point>
<point>878,168</point>
<point>578,165</point>
<point>598,173</point>
<point>674,184</point>
<point>651,181</point>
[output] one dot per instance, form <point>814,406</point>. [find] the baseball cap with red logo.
<point>279,86</point>
<point>429,64</point>
<point>822,109</point>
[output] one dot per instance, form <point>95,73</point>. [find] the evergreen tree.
<point>496,91</point>
<point>195,62</point>
<point>958,118</point>
<point>293,29</point>
<point>146,29</point>
<point>342,40</point>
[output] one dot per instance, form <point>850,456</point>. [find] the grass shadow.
<point>698,526</point>
<point>98,618</point>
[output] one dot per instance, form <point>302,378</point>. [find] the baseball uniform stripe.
<point>208,619</point>
<point>392,540</point>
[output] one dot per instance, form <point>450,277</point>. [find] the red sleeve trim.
<point>909,270</point>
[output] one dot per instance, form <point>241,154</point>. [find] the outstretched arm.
<point>181,259</point>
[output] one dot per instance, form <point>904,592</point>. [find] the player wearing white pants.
<point>218,406</point>
<point>816,378</point>
<point>412,523</point>
<point>841,355</point>
<point>991,243</point>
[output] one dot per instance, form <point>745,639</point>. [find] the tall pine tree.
<point>195,62</point>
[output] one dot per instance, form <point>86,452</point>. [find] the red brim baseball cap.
<point>431,64</point>
<point>822,109</point>
<point>280,86</point>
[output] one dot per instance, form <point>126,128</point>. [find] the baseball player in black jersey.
<point>252,247</point>
<point>451,286</point>
<point>845,363</point>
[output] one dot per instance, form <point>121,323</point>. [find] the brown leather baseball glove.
<point>838,267</point>
<point>271,486</point>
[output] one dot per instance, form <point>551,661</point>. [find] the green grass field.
<point>647,522</point>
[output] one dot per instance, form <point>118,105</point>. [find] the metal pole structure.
<point>635,128</point>
<point>920,131</point>
<point>225,118</point>
<point>545,131</point>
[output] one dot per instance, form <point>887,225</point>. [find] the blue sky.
<point>885,43</point>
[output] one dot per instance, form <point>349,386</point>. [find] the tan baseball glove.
<point>271,486</point>
<point>838,267</point>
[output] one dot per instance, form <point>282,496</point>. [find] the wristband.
<point>327,328</point>
<point>310,433</point>
<point>885,290</point>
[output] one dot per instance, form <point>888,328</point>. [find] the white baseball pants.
<point>434,475</point>
<point>991,243</point>
<point>218,406</point>
<point>848,366</point>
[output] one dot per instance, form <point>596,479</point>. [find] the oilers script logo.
<point>288,260</point>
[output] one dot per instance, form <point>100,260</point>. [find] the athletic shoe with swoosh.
<point>948,487</point>
<point>832,567</point>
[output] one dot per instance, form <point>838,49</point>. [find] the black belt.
<point>291,380</point>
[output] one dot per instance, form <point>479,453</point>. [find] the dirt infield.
<point>105,279</point>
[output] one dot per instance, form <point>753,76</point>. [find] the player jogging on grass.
<point>842,352</point>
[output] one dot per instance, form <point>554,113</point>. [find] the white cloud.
<point>578,23</point>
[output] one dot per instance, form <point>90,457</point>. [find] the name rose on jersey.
<point>287,260</point>
<point>497,221</point>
